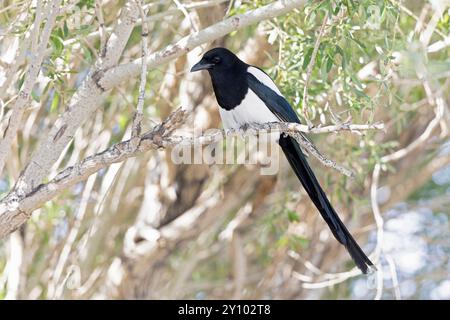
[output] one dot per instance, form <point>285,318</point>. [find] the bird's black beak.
<point>201,65</point>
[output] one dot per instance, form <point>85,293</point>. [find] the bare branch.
<point>440,107</point>
<point>121,73</point>
<point>380,227</point>
<point>394,278</point>
<point>291,129</point>
<point>310,68</point>
<point>15,119</point>
<point>182,8</point>
<point>101,22</point>
<point>105,76</point>
<point>14,209</point>
<point>81,106</point>
<point>399,154</point>
<point>137,119</point>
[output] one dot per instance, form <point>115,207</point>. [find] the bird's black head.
<point>217,60</point>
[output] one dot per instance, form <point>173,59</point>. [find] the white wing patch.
<point>263,78</point>
<point>251,110</point>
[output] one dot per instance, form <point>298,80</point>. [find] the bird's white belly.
<point>252,110</point>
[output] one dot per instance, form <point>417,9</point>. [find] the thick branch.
<point>137,119</point>
<point>23,98</point>
<point>105,76</point>
<point>81,106</point>
<point>311,66</point>
<point>292,129</point>
<point>15,209</point>
<point>121,73</point>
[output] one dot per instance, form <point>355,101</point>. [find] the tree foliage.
<point>147,228</point>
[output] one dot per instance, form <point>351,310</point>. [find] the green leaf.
<point>307,58</point>
<point>60,33</point>
<point>65,30</point>
<point>323,73</point>
<point>330,62</point>
<point>298,242</point>
<point>337,9</point>
<point>47,86</point>
<point>21,81</point>
<point>283,242</point>
<point>88,3</point>
<point>311,17</point>
<point>293,216</point>
<point>57,43</point>
<point>55,103</point>
<point>360,44</point>
<point>123,121</point>
<point>87,54</point>
<point>341,53</point>
<point>35,96</point>
<point>361,94</point>
<point>356,81</point>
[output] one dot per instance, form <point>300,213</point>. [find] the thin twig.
<point>310,68</point>
<point>15,120</point>
<point>308,145</point>
<point>440,107</point>
<point>16,209</point>
<point>137,119</point>
<point>101,29</point>
<point>380,229</point>
<point>291,129</point>
<point>412,15</point>
<point>183,9</point>
<point>399,154</point>
<point>394,278</point>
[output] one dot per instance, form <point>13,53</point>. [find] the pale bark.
<point>105,76</point>
<point>114,76</point>
<point>15,210</point>
<point>80,108</point>
<point>15,120</point>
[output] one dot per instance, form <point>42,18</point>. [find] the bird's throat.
<point>230,89</point>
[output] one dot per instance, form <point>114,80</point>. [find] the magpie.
<point>247,95</point>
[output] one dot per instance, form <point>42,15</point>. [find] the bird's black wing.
<point>281,108</point>
<point>276,103</point>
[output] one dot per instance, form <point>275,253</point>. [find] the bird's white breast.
<point>251,110</point>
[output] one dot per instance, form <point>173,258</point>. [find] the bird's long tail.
<point>306,176</point>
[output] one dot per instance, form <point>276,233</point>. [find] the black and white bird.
<point>247,95</point>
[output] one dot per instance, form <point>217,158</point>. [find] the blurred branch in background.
<point>15,119</point>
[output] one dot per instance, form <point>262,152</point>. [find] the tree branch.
<point>121,73</point>
<point>137,119</point>
<point>310,68</point>
<point>105,76</point>
<point>15,209</point>
<point>23,98</point>
<point>80,108</point>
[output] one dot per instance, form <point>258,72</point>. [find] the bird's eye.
<point>216,60</point>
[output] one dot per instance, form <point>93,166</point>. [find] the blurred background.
<point>147,228</point>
